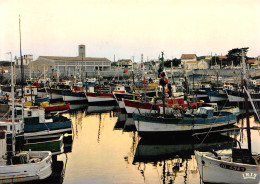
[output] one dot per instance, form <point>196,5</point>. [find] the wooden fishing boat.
<point>69,96</point>
<point>35,122</point>
<point>94,97</point>
<point>51,107</point>
<point>201,120</point>
<point>23,166</point>
<point>53,143</point>
<point>218,168</point>
<point>128,96</point>
<point>151,107</point>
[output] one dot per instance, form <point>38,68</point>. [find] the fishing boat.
<point>52,107</point>
<point>36,124</point>
<point>177,122</point>
<point>55,89</point>
<point>94,97</point>
<point>70,96</point>
<point>203,90</point>
<point>127,96</point>
<point>23,166</point>
<point>152,105</point>
<point>201,120</point>
<point>55,94</point>
<point>217,168</point>
<point>239,166</point>
<point>53,143</point>
<point>217,96</point>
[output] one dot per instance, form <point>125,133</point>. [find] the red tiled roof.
<point>252,61</point>
<point>188,56</point>
<point>222,57</point>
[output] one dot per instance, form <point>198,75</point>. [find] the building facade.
<point>27,59</point>
<point>74,65</point>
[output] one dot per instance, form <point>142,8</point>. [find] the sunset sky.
<point>127,28</point>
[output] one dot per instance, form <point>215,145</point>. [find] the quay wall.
<point>177,72</point>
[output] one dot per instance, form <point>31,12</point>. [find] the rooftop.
<point>188,56</point>
<point>78,58</point>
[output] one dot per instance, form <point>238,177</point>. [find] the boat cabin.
<point>6,125</point>
<point>206,111</point>
<point>119,89</point>
<point>32,114</point>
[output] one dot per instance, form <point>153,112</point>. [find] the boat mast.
<point>22,72</point>
<point>246,106</point>
<point>12,91</point>
<point>163,95</point>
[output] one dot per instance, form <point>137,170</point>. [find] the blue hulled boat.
<point>193,121</point>
<point>35,123</point>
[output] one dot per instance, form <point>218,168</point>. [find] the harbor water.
<point>107,149</point>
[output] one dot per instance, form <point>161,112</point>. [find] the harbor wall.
<point>114,73</point>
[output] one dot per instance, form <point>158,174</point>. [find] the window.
<point>29,113</point>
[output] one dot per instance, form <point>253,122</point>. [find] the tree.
<point>175,62</point>
<point>235,55</point>
<point>215,61</point>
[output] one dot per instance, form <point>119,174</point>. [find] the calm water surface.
<point>105,149</point>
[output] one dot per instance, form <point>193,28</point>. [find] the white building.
<point>27,59</point>
<point>187,58</point>
<point>76,64</point>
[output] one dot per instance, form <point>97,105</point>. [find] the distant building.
<point>77,64</point>
<point>222,57</point>
<point>5,64</point>
<point>258,60</point>
<point>252,61</point>
<point>27,59</point>
<point>189,61</point>
<point>203,64</point>
<point>82,51</point>
<point>190,65</point>
<point>73,65</point>
<point>124,63</point>
<point>188,57</point>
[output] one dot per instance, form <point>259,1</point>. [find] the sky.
<point>125,29</point>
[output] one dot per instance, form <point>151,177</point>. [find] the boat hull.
<point>95,97</point>
<point>47,126</point>
<point>69,96</point>
<point>57,107</point>
<point>220,171</point>
<point>147,126</point>
<point>27,172</point>
<point>54,94</point>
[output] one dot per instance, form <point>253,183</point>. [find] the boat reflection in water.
<point>68,142</point>
<point>75,107</point>
<point>174,158</point>
<point>100,109</point>
<point>129,125</point>
<point>120,121</point>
